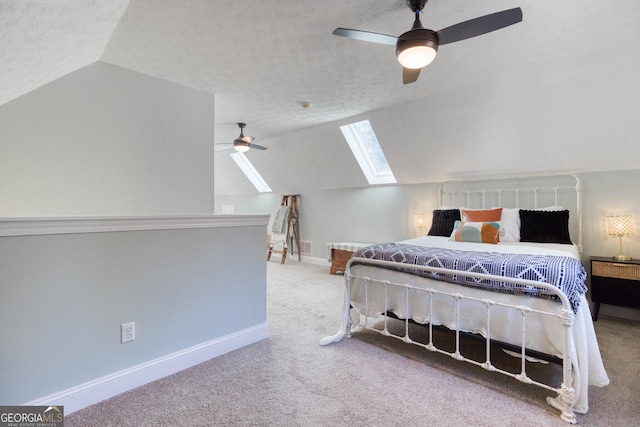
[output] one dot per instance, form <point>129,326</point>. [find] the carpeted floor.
<point>290,380</point>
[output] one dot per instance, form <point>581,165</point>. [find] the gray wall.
<point>104,141</point>
<point>347,214</point>
<point>385,213</point>
<point>378,214</point>
<point>65,296</point>
<point>107,141</point>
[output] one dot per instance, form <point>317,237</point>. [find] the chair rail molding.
<point>30,226</point>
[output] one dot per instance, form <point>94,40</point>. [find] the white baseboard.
<point>95,391</point>
<point>315,260</point>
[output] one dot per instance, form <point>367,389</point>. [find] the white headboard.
<point>525,192</point>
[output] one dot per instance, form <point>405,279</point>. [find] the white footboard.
<point>404,293</point>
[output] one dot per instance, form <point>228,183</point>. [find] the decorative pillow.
<point>544,226</point>
<point>443,221</point>
<point>480,215</point>
<point>510,221</point>
<point>478,232</point>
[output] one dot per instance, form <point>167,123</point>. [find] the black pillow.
<point>443,221</point>
<point>544,226</point>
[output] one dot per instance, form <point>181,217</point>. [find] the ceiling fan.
<point>417,47</point>
<point>241,143</point>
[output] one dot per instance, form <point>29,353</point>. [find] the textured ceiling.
<point>41,41</point>
<point>262,59</point>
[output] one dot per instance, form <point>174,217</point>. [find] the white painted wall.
<point>107,141</point>
<point>575,113</point>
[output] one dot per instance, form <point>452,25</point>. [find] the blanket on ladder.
<point>279,225</point>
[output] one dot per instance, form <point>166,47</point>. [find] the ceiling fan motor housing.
<point>418,38</point>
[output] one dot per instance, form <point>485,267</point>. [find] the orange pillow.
<point>480,215</point>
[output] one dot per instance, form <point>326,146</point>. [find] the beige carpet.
<point>369,380</point>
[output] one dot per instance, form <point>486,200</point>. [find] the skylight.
<point>247,168</point>
<point>365,147</point>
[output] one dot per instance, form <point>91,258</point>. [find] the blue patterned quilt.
<point>566,273</point>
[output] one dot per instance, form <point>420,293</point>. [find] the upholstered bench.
<point>341,253</point>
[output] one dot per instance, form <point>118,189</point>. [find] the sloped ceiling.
<point>41,41</point>
<point>262,59</point>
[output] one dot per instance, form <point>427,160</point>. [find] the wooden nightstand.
<point>614,282</point>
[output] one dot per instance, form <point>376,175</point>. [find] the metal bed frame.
<point>565,317</point>
<point>546,191</point>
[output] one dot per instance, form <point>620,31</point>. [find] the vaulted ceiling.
<point>263,59</point>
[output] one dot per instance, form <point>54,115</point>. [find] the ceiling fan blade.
<point>478,26</point>
<point>257,147</point>
<point>366,36</point>
<point>410,75</point>
<point>222,146</point>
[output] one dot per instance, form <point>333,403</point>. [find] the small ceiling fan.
<point>241,143</point>
<point>417,47</point>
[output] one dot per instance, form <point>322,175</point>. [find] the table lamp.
<point>620,225</point>
<point>420,221</point>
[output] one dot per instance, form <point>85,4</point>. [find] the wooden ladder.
<point>293,230</point>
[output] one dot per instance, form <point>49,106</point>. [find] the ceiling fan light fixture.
<point>241,146</point>
<point>417,48</point>
<point>417,57</point>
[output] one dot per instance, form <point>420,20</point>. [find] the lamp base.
<point>622,257</point>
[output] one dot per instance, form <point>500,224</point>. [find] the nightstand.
<point>614,282</point>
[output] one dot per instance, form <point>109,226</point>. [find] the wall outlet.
<point>127,332</point>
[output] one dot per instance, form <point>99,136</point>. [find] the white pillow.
<point>510,221</point>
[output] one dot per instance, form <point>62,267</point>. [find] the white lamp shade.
<point>620,225</point>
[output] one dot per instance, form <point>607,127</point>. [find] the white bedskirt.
<point>543,333</point>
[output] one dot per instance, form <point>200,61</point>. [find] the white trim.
<point>305,258</point>
<point>315,260</point>
<point>65,225</point>
<point>83,395</point>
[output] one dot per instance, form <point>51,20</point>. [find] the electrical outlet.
<point>127,332</point>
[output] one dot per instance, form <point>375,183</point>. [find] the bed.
<point>511,275</point>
